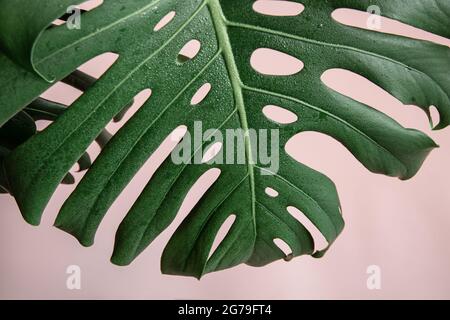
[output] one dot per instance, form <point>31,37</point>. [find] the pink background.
<point>403,227</point>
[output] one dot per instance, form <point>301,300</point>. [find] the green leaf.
<point>17,130</point>
<point>414,71</point>
<point>38,15</point>
<point>22,23</point>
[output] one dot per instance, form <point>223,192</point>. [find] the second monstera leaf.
<point>229,31</point>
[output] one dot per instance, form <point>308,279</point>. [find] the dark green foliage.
<point>416,72</point>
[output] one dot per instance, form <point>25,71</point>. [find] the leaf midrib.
<point>220,26</point>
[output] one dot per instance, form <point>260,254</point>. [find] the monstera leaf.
<point>34,55</point>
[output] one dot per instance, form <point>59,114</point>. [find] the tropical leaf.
<point>414,71</point>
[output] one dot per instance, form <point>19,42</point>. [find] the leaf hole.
<point>90,5</point>
<point>41,125</point>
<point>201,94</point>
<point>278,8</point>
<point>320,242</point>
<point>58,22</point>
<point>325,154</point>
<point>189,51</point>
<point>285,248</point>
<point>178,134</point>
<point>358,88</point>
<point>281,64</point>
<point>375,22</point>
<point>82,7</point>
<point>62,93</point>
<point>165,21</point>
<point>279,115</point>
<point>97,66</point>
<point>222,234</point>
<point>211,152</point>
<point>271,192</point>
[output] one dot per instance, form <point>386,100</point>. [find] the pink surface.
<point>402,227</point>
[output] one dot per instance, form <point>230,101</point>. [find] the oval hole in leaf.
<point>178,134</point>
<point>98,65</point>
<point>369,21</point>
<point>212,151</point>
<point>221,234</point>
<point>189,51</point>
<point>201,94</point>
<point>278,8</point>
<point>58,22</point>
<point>90,5</point>
<point>275,63</point>
<point>279,115</point>
<point>285,248</point>
<point>320,242</point>
<point>271,192</point>
<point>165,21</point>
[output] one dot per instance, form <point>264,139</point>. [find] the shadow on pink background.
<point>402,227</point>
